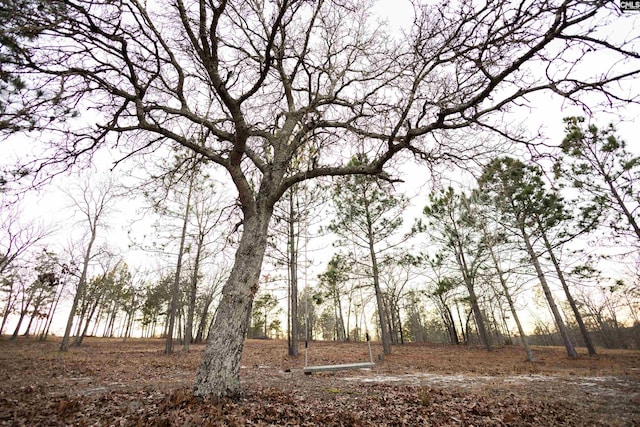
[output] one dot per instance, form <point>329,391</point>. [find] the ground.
<point>108,382</point>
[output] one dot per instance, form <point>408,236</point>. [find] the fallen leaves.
<point>107,382</point>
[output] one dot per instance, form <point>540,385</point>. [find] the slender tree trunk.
<point>572,302</point>
<point>512,308</point>
<point>467,276</point>
<point>382,312</point>
<point>11,300</point>
<point>463,331</point>
<point>219,372</point>
<point>105,330</point>
<point>23,313</point>
<point>571,351</point>
<point>188,331</point>
<point>175,289</point>
<point>477,313</point>
<point>448,320</point>
<point>400,326</point>
<point>202,324</point>
<point>17,329</point>
<point>130,316</point>
<point>52,311</point>
<point>453,330</point>
<point>34,314</point>
<point>112,319</point>
<point>5,315</point>
<point>77,342</point>
<point>341,331</point>
<point>96,324</point>
<point>293,279</point>
<point>64,345</point>
<point>83,314</point>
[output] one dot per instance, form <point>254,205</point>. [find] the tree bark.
<point>219,372</point>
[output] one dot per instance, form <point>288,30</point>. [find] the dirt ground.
<point>107,382</point>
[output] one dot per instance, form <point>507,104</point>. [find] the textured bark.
<point>219,372</point>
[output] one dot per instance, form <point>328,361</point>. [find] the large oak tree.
<point>249,84</point>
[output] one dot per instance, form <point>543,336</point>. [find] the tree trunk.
<point>512,308</point>
<point>477,313</point>
<point>23,313</point>
<point>342,333</point>
<point>448,320</point>
<point>188,330</point>
<point>463,331</point>
<point>112,319</point>
<point>467,276</point>
<point>382,312</point>
<point>17,329</point>
<point>572,302</point>
<point>571,351</point>
<point>78,340</point>
<point>64,345</point>
<point>175,289</point>
<point>52,311</point>
<point>219,372</point>
<point>616,195</point>
<point>202,324</point>
<point>130,317</point>
<point>293,280</point>
<point>36,306</point>
<point>5,314</point>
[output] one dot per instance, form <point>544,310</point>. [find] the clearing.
<point>108,382</point>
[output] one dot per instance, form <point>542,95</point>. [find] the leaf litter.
<point>110,383</point>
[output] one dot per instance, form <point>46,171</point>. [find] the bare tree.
<point>93,205</point>
<point>16,237</point>
<point>263,80</point>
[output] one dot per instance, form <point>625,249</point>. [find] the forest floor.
<point>108,382</point>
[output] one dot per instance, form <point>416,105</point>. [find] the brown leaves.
<point>111,383</point>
